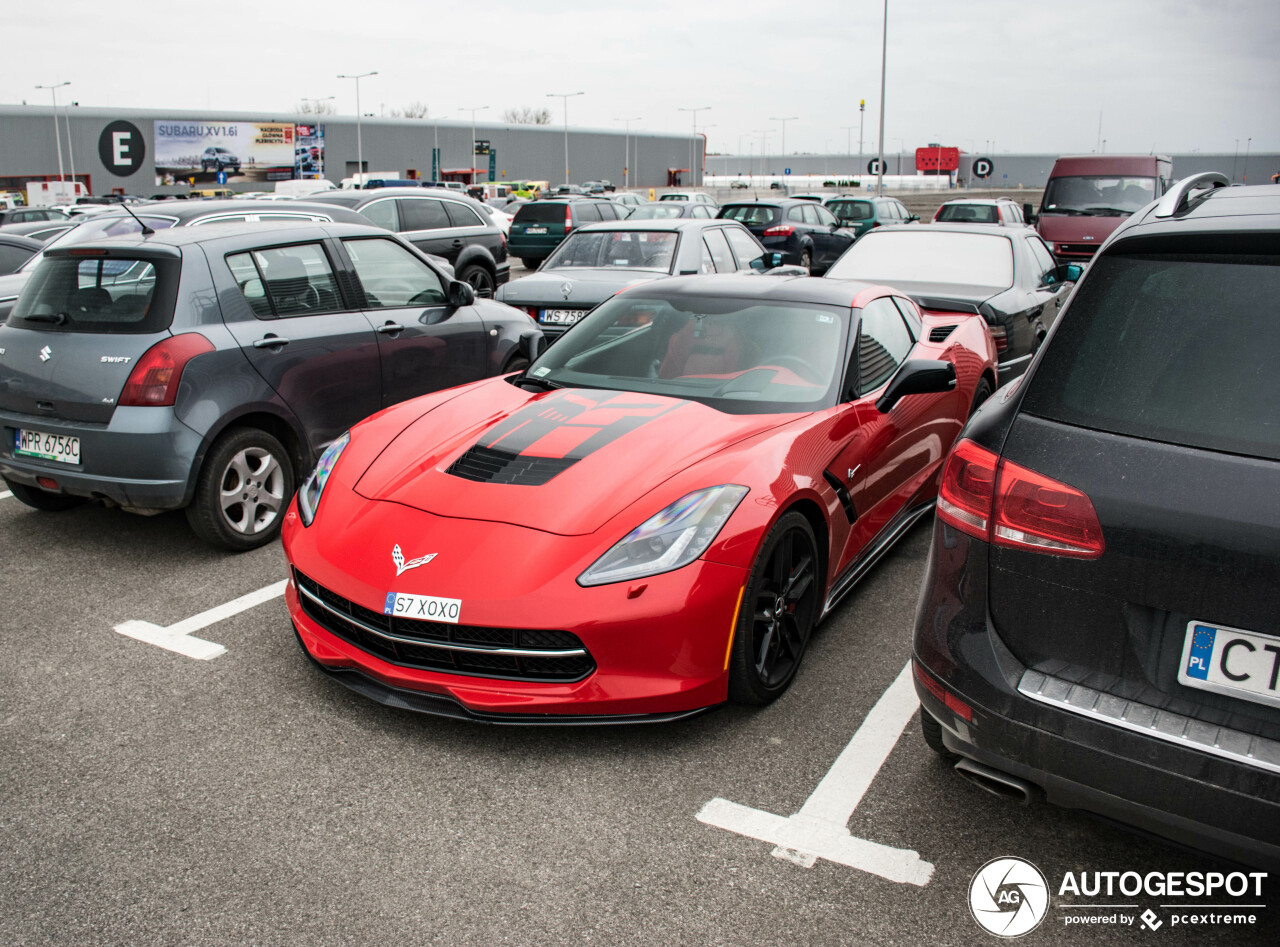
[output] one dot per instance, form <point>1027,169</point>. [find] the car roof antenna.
<point>146,231</point>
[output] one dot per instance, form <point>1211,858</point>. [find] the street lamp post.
<point>789,118</point>
<point>57,134</point>
<point>566,96</point>
<point>693,142</point>
<point>884,51</point>
<point>862,115</point>
<point>71,154</point>
<point>359,116</point>
<point>764,137</point>
<point>626,148</point>
<point>1244,176</point>
<point>472,162</point>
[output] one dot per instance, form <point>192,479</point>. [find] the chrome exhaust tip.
<point>995,782</point>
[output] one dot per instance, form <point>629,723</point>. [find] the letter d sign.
<point>121,148</point>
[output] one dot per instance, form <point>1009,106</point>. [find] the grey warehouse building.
<point>129,150</point>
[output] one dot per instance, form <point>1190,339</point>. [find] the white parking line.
<point>178,637</point>
<point>820,828</point>
<point>5,494</point>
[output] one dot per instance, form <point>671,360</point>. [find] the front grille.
<point>940,333</point>
<point>491,465</point>
<point>517,654</point>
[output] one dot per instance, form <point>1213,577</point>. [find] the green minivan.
<point>539,226</point>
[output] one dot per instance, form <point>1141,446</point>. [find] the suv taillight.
<point>1000,335</point>
<point>782,230</point>
<point>154,379</point>
<point>1006,504</point>
<point>568,217</point>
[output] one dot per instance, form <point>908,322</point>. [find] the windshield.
<point>917,256</point>
<point>1097,195</point>
<point>616,249</point>
<point>736,355</point>
<point>657,211</point>
<point>852,210</point>
<point>91,229</point>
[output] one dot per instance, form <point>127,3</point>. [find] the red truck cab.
<point>1088,196</point>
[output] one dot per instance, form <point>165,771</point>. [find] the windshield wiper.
<point>534,384</point>
<point>53,318</point>
<point>1110,211</point>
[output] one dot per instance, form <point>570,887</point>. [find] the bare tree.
<point>316,107</point>
<point>415,110</point>
<point>525,115</point>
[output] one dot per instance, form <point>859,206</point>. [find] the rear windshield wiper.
<point>53,318</point>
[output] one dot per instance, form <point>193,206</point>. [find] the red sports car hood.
<point>561,461</point>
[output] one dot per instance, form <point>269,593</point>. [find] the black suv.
<point>805,233</point>
<point>1100,617</point>
<point>452,226</point>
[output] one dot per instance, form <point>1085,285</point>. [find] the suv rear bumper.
<point>142,459</point>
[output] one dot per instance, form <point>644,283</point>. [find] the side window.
<point>12,257</point>
<point>811,214</point>
<point>719,247</point>
<point>383,214</point>
<point>588,212</point>
<point>392,276</point>
<point>744,246</point>
<point>796,213</point>
<point>608,212</point>
<point>825,217</point>
<point>909,312</point>
<point>250,282</point>
<point>700,212</point>
<point>463,216</point>
<point>298,280</point>
<point>1044,259</point>
<point>706,265</point>
<point>421,214</point>
<point>883,344</point>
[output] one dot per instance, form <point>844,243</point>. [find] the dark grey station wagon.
<point>207,368</point>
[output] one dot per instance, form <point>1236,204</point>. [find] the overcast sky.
<point>1030,75</point>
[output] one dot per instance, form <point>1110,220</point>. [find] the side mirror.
<point>917,376</point>
<point>915,217</point>
<point>460,294</point>
<point>1071,272</point>
<point>532,344</point>
<point>1028,213</point>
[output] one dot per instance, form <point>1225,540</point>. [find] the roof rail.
<point>1180,194</point>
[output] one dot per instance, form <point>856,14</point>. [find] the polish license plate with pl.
<point>57,447</point>
<point>535,229</point>
<point>1243,664</point>
<point>423,607</point>
<point>561,317</point>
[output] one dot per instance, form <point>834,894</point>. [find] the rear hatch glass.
<point>1179,349</point>
<point>540,214</point>
<point>751,215</point>
<point>852,210</point>
<point>111,294</point>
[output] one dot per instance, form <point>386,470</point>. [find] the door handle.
<point>389,328</point>
<point>270,341</point>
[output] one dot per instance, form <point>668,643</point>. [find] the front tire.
<point>779,609</point>
<point>806,259</point>
<point>981,395</point>
<point>530,263</point>
<point>480,278</point>
<point>931,730</point>
<point>42,499</point>
<point>245,484</point>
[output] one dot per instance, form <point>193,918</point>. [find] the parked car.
<point>539,226</point>
<point>26,215</point>
<point>805,233</point>
<point>217,158</point>
<point>203,368</point>
<point>41,230</point>
<point>861,214</point>
<point>673,496</point>
<point>700,197</point>
<point>115,221</point>
<point>1088,196</point>
<point>598,260</point>
<point>437,221</point>
<point>1008,275</point>
<point>627,198</point>
<point>971,210</point>
<point>738,185</point>
<point>1100,618</point>
<point>16,250</point>
<point>671,210</point>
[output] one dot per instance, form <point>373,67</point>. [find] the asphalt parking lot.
<point>150,798</point>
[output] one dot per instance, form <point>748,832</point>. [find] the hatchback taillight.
<point>1006,504</point>
<point>782,230</point>
<point>154,379</point>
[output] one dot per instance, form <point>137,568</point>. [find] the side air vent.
<point>940,333</point>
<point>490,465</point>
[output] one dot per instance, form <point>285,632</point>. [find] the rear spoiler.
<point>944,304</point>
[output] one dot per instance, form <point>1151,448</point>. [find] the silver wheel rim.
<point>251,494</point>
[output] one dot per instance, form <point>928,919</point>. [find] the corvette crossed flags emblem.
<point>397,556</point>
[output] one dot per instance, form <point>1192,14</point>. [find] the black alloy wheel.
<point>779,609</point>
<point>481,280</point>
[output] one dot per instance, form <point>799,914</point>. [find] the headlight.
<point>669,539</point>
<point>309,495</point>
<point>1053,247</point>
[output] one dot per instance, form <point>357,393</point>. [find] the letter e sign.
<point>121,148</point>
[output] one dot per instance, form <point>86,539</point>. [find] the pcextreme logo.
<point>1008,896</point>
